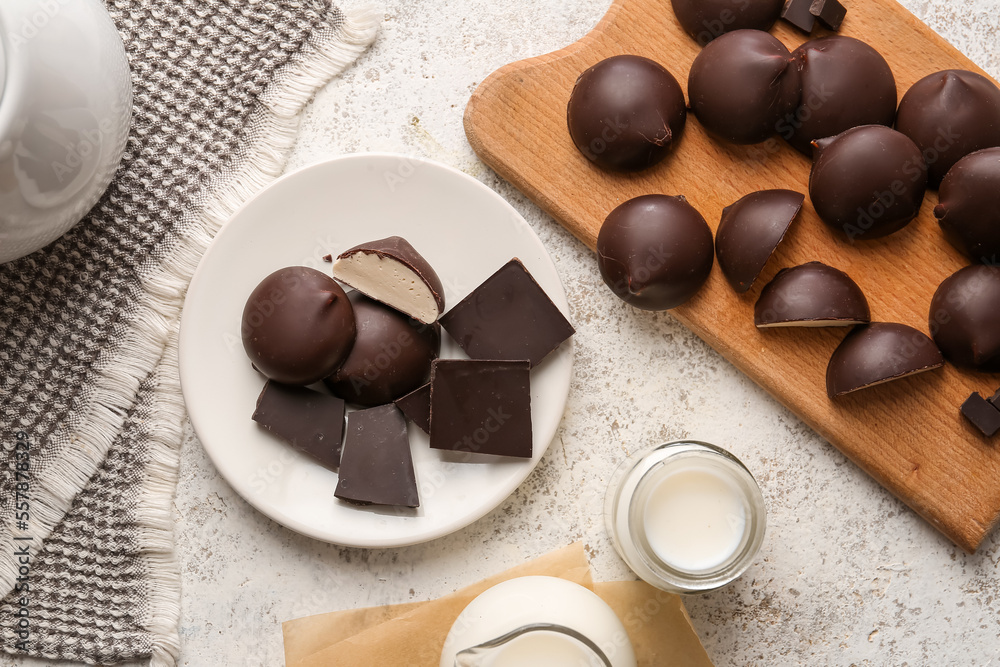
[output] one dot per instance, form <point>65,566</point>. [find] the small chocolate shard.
<point>995,400</point>
<point>481,406</point>
<point>983,414</point>
<point>416,406</point>
<point>309,421</point>
<point>376,467</point>
<point>508,317</point>
<point>328,258</point>
<point>829,12</point>
<point>797,13</point>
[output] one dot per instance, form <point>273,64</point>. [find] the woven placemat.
<point>90,405</point>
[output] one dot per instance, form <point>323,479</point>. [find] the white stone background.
<point>847,574</point>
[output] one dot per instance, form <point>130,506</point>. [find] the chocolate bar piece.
<point>797,13</point>
<point>995,400</point>
<point>508,317</point>
<point>416,406</point>
<point>481,406</point>
<point>829,12</point>
<point>309,421</point>
<point>376,467</point>
<point>983,414</point>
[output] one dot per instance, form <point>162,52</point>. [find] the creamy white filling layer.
<point>390,282</point>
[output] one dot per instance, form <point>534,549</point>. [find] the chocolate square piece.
<point>481,406</point>
<point>983,415</point>
<point>829,12</point>
<point>508,317</point>
<point>797,13</point>
<point>309,421</point>
<point>376,467</point>
<point>416,406</point>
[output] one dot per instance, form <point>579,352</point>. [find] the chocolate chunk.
<point>626,113</point>
<point>742,84</point>
<point>655,252</point>
<point>391,270</point>
<point>508,317</point>
<point>983,414</point>
<point>965,318</point>
<point>829,12</point>
<point>376,467</point>
<point>879,352</point>
<point>797,12</point>
<point>309,421</point>
<point>867,182</point>
<point>416,406</point>
<point>969,208</point>
<point>327,258</point>
<point>705,20</point>
<point>811,295</point>
<point>391,357</point>
<point>751,230</point>
<point>297,326</point>
<point>995,400</point>
<point>845,84</point>
<point>481,406</point>
<point>949,115</point>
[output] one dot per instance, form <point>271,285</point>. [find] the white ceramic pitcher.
<point>65,110</point>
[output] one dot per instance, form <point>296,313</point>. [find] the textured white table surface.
<point>847,574</point>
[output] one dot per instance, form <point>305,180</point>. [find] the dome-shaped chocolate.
<point>845,83</point>
<point>969,208</point>
<point>626,113</point>
<point>297,326</point>
<point>948,115</point>
<point>391,357</point>
<point>867,182</point>
<point>742,84</point>
<point>879,352</point>
<point>965,318</point>
<point>655,251</point>
<point>811,295</point>
<point>705,20</point>
<point>751,230</point>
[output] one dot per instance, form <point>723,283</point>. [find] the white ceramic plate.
<point>464,229</point>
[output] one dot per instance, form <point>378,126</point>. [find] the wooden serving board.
<point>909,435</point>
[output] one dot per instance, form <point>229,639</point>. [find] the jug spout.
<point>536,644</point>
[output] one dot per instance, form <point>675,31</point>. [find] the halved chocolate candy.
<point>879,352</point>
<point>508,317</point>
<point>416,406</point>
<point>751,230</point>
<point>811,295</point>
<point>309,421</point>
<point>481,406</point>
<point>376,467</point>
<point>390,270</point>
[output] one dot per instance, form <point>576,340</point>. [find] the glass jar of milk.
<point>687,516</point>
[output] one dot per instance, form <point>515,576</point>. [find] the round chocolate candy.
<point>742,84</point>
<point>879,352</point>
<point>391,357</point>
<point>811,295</point>
<point>705,20</point>
<point>965,318</point>
<point>751,230</point>
<point>969,208</point>
<point>655,251</point>
<point>626,113</point>
<point>948,115</point>
<point>297,326</point>
<point>867,182</point>
<point>845,83</point>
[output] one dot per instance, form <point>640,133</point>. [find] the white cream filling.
<point>390,282</point>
